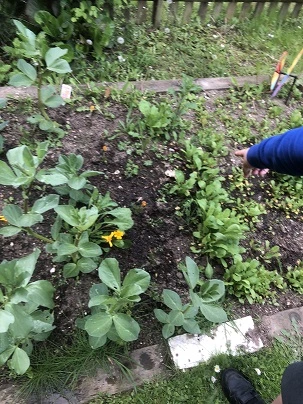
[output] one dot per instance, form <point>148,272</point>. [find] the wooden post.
<point>187,12</point>
<point>258,10</point>
<point>142,11</point>
<point>245,10</point>
<point>283,11</point>
<point>157,13</point>
<point>202,11</point>
<point>217,10</point>
<point>231,8</point>
<point>296,11</point>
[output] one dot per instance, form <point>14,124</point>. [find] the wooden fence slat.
<point>217,10</point>
<point>283,11</point>
<point>231,8</point>
<point>296,11</point>
<point>258,10</point>
<point>142,11</point>
<point>157,13</point>
<point>202,11</point>
<point>272,9</point>
<point>187,13</point>
<point>174,10</point>
<point>245,10</point>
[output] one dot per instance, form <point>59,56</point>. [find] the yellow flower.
<point>143,204</point>
<point>92,108</point>
<point>118,234</point>
<point>109,239</point>
<point>104,148</point>
<point>2,218</point>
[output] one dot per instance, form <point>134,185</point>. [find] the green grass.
<point>197,50</point>
<point>195,385</point>
<point>57,365</point>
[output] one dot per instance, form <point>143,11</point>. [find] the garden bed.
<point>139,177</point>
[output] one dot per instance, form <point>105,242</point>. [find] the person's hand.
<point>247,168</point>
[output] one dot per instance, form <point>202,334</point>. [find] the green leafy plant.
<point>250,280</point>
<point>25,314</point>
<point>79,235</point>
<point>294,277</point>
<point>45,64</point>
<point>204,297</point>
<point>4,123</point>
<point>219,231</point>
<point>111,302</point>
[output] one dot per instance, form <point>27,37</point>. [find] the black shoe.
<point>237,389</point>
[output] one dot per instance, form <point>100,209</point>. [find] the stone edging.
<point>158,86</point>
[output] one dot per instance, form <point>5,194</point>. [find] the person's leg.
<point>292,384</point>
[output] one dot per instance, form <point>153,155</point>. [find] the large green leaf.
<point>168,330</point>
<point>41,292</point>
<point>46,203</point>
<point>60,66</point>
<point>70,270</point>
<point>20,361</point>
<point>86,265</point>
<point>109,273</point>
<point>97,342</point>
<point>27,69</point>
<point>212,290</point>
<point>9,231</point>
<point>191,326</point>
<point>172,299</point>
<point>50,98</point>
<point>89,249</point>
<point>161,315</point>
<point>192,272</point>
<point>42,323</point>
<point>213,313</point>
<point>137,277</point>
<point>20,80</point>
<point>7,176</point>
<point>54,54</point>
<point>69,214</point>
<point>5,355</point>
<point>26,33</point>
<point>176,318</point>
<point>29,219</point>
<point>122,218</point>
<point>52,179</point>
<point>17,273</point>
<point>6,318</point>
<point>23,323</point>
<point>127,328</point>
<point>98,324</point>
<point>76,182</point>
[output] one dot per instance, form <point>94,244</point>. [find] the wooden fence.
<point>213,10</point>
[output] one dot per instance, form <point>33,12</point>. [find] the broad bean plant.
<point>38,65</point>
<point>25,311</point>
<point>111,302</point>
<point>204,299</point>
<point>86,223</point>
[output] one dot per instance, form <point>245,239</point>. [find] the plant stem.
<point>38,236</point>
<point>40,103</point>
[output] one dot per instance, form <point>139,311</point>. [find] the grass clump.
<point>56,366</point>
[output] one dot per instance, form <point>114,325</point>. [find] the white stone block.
<point>233,337</point>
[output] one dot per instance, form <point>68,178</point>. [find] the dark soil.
<point>159,239</point>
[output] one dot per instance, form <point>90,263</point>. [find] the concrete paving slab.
<point>275,323</point>
<point>232,337</point>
